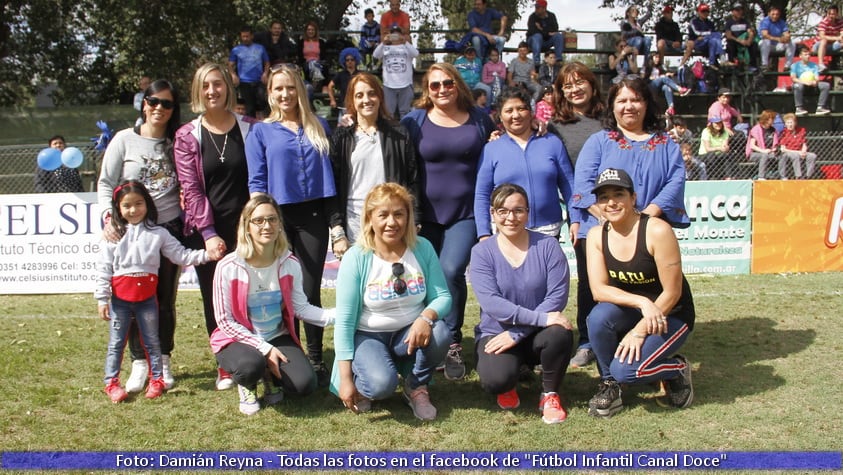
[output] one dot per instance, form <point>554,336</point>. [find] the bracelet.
<point>636,335</point>
<point>337,234</point>
<point>427,320</point>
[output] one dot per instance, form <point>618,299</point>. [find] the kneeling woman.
<point>257,294</point>
<point>645,310</point>
<point>391,293</point>
<point>521,280</point>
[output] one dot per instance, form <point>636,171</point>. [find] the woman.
<point>312,51</point>
<point>257,296</point>
<point>370,151</point>
<point>631,31</point>
<point>623,61</point>
<point>521,282</point>
<point>210,159</point>
<point>722,107</point>
<point>579,108</point>
<point>145,153</point>
<point>641,319</point>
<point>715,151</point>
<point>288,157</point>
<point>391,294</point>
<point>540,165</point>
<point>662,80</point>
<point>794,146</point>
<point>449,133</point>
<point>763,144</point>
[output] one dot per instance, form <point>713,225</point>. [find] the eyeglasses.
<point>400,285</point>
<point>155,101</point>
<point>291,66</point>
<point>578,84</point>
<point>448,83</point>
<point>504,212</point>
<point>261,220</point>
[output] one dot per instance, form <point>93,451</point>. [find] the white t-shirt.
<point>264,302</point>
<point>366,172</point>
<point>383,309</point>
<point>397,64</point>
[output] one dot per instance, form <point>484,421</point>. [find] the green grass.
<point>766,353</point>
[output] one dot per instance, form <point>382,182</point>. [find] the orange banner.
<point>797,226</point>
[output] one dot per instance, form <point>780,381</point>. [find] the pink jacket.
<point>757,133</point>
<point>490,68</point>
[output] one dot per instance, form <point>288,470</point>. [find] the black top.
<point>549,25</point>
<point>226,175</point>
<point>668,30</point>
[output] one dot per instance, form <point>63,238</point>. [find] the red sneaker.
<point>552,410</point>
<point>155,388</point>
<point>509,400</point>
<point>115,392</point>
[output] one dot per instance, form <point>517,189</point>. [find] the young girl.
<point>126,276</point>
<point>544,108</point>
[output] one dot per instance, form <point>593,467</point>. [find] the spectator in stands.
<point>395,17</point>
<point>723,108</point>
<point>277,44</point>
<point>543,33</point>
<point>240,108</point>
<point>494,75</point>
<point>544,106</point>
<point>763,144</point>
<point>481,100</point>
<point>703,38</point>
<point>521,72</point>
<point>668,34</point>
<point>633,35</point>
<point>829,35</point>
<point>794,146</point>
<point>694,168</point>
<point>660,79</point>
<point>806,74</point>
<point>715,149</point>
<point>61,180</point>
<point>521,280</point>
<point>480,28</point>
<point>350,59</point>
<point>137,101</point>
<point>249,65</point>
<point>775,36</point>
<point>397,53</point>
<point>579,108</point>
<point>471,69</point>
<point>741,47</point>
<point>679,132</point>
<point>548,70</point>
<point>449,133</point>
<point>370,37</point>
<point>623,61</point>
<point>312,58</point>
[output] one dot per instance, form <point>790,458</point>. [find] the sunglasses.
<point>448,83</point>
<point>400,285</point>
<point>155,101</point>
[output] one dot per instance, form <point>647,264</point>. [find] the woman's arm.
<point>672,194</point>
<point>256,160</point>
<point>304,310</point>
<point>662,244</point>
<point>197,207</point>
<point>348,302</point>
<point>483,191</point>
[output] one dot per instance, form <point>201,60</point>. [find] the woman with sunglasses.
<point>449,132</point>
<point>257,298</point>
<point>521,281</point>
<point>391,295</point>
<point>144,153</point>
<point>210,158</point>
<point>370,151</point>
<point>288,157</point>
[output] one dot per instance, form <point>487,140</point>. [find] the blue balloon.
<point>71,157</point>
<point>49,159</point>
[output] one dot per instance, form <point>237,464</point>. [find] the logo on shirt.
<point>637,278</point>
<point>385,290</point>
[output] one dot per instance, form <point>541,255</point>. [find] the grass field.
<point>766,354</point>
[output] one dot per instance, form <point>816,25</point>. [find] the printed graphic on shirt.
<point>158,173</point>
<point>386,289</point>
<point>633,278</point>
<point>265,312</point>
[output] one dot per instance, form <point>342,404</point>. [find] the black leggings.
<point>247,366</point>
<point>585,300</point>
<point>550,347</point>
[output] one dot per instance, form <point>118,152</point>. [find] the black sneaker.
<point>607,402</point>
<point>681,390</point>
<point>582,358</point>
<point>454,364</point>
<point>323,377</point>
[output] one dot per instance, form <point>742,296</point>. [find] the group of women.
<point>403,206</point>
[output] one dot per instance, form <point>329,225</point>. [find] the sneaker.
<point>419,401</point>
<point>582,358</point>
<point>822,111</point>
<point>681,390</point>
<point>156,388</point>
<point>509,400</point>
<point>323,377</point>
<point>224,380</point>
<point>670,111</point>
<point>454,364</point>
<point>780,89</point>
<point>248,400</point>
<point>363,405</point>
<point>115,392</point>
<point>272,394</point>
<point>552,410</point>
<point>137,379</point>
<point>684,91</point>
<point>166,375</point>
<point>801,111</point>
<point>607,402</point>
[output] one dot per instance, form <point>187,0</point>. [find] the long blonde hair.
<point>245,246</point>
<point>378,196</point>
<point>197,102</point>
<point>310,122</point>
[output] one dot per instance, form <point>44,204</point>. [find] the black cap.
<point>613,177</point>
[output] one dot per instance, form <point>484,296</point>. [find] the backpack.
<point>711,80</point>
<point>685,77</point>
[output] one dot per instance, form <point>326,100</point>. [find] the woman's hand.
<point>348,394</point>
<point>340,247</point>
<point>274,360</point>
<point>345,120</point>
<point>215,247</point>
<point>654,321</point>
<point>573,230</point>
<point>630,347</point>
<point>103,312</point>
<point>418,336</point>
<point>540,127</point>
<point>496,134</point>
<point>556,318</point>
<point>499,343</point>
<point>110,233</point>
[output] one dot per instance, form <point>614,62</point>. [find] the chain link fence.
<point>19,169</point>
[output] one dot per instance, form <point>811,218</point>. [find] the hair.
<point>790,116</point>
<point>245,246</point>
<point>685,146</point>
<point>277,22</point>
<point>465,101</point>
<point>378,196</point>
<point>370,80</point>
<point>197,102</point>
<point>564,110</point>
<point>367,11</point>
<point>679,122</point>
<point>504,191</point>
<point>641,89</point>
<point>514,93</point>
<point>546,90</point>
<point>477,94</point>
<point>124,188</point>
<point>310,122</point>
<point>801,48</point>
<point>766,115</point>
<point>246,29</point>
<point>160,85</point>
<point>523,44</point>
<point>629,10</point>
<point>832,7</point>
<point>56,137</point>
<point>314,25</point>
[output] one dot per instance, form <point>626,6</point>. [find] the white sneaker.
<point>166,375</point>
<point>137,380</point>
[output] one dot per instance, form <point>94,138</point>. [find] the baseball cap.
<point>613,177</point>
<point>469,48</point>
<point>541,3</point>
<point>703,8</point>
<point>667,9</point>
<point>724,91</point>
<point>715,119</point>
<point>737,6</point>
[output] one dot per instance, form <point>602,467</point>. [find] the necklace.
<point>224,144</point>
<point>373,137</point>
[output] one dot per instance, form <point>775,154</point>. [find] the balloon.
<point>49,159</point>
<point>71,157</point>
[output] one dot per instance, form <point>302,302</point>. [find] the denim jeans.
<point>642,44</point>
<point>377,356</point>
<point>537,43</point>
<point>146,315</point>
<point>481,44</point>
<point>608,323</point>
<point>768,46</point>
<point>453,245</point>
<point>667,86</point>
<point>711,44</point>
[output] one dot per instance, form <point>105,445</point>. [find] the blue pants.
<point>713,44</point>
<point>481,45</point>
<point>642,44</point>
<point>145,314</point>
<point>667,86</point>
<point>537,43</point>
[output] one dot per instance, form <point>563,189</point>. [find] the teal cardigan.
<point>351,286</point>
